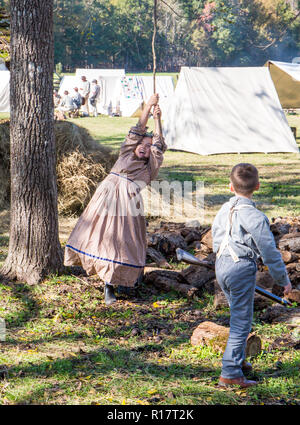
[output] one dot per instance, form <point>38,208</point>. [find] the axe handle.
<point>271,296</point>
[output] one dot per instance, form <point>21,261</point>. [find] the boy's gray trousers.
<point>237,281</point>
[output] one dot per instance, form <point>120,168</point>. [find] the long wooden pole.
<point>153,44</point>
<point>154,58</point>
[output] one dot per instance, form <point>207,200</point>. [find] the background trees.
<point>117,33</point>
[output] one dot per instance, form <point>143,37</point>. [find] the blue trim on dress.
<point>104,259</point>
<point>119,175</point>
<point>126,178</point>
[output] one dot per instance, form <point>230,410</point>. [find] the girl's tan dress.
<point>109,238</point>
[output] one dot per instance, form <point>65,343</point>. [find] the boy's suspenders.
<point>225,241</point>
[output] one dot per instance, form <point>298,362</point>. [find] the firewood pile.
<point>166,273</point>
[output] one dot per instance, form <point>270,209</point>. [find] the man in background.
<point>85,91</point>
<point>94,96</point>
<point>77,98</point>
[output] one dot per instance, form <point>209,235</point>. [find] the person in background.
<point>94,96</point>
<point>85,92</point>
<point>77,98</point>
<point>58,114</point>
<point>67,103</point>
<point>56,98</point>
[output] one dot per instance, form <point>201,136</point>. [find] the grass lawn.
<point>279,194</point>
<point>64,346</point>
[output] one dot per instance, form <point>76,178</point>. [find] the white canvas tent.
<point>92,73</point>
<point>4,91</point>
<point>286,78</point>
<point>227,110</point>
<point>132,91</point>
<point>108,84</point>
<point>108,80</point>
<point>165,89</point>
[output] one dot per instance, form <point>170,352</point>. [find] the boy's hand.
<point>153,100</point>
<point>287,289</point>
<point>156,112</point>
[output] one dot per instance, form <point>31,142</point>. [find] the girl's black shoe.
<point>109,295</point>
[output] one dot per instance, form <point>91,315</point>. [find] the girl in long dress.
<point>109,238</point>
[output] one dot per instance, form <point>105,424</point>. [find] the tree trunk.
<point>34,248</point>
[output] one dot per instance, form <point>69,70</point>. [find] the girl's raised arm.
<point>146,111</point>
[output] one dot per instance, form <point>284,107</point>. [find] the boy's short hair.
<point>244,178</point>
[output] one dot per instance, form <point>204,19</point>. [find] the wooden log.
<point>195,245</point>
<point>168,281</point>
<point>170,241</point>
<point>220,300</point>
<point>290,242</point>
<point>215,336</point>
<point>289,256</point>
<point>207,240</point>
<point>166,242</point>
<point>197,275</point>
<point>291,267</point>
<point>264,280</point>
<point>294,296</point>
<point>193,236</point>
<point>157,257</point>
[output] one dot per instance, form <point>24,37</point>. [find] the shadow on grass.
<point>105,364</point>
<point>30,308</point>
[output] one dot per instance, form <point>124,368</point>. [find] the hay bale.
<point>77,178</point>
<point>81,164</point>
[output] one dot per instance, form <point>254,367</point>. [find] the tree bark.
<point>34,248</point>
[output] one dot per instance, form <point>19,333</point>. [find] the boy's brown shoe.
<point>242,382</point>
<point>246,367</point>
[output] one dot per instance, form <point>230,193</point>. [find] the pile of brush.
<point>82,163</point>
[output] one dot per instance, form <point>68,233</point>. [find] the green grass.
<point>279,194</point>
<point>64,346</point>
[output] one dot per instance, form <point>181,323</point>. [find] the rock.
<point>135,332</point>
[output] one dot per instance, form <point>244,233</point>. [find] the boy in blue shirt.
<point>241,233</point>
